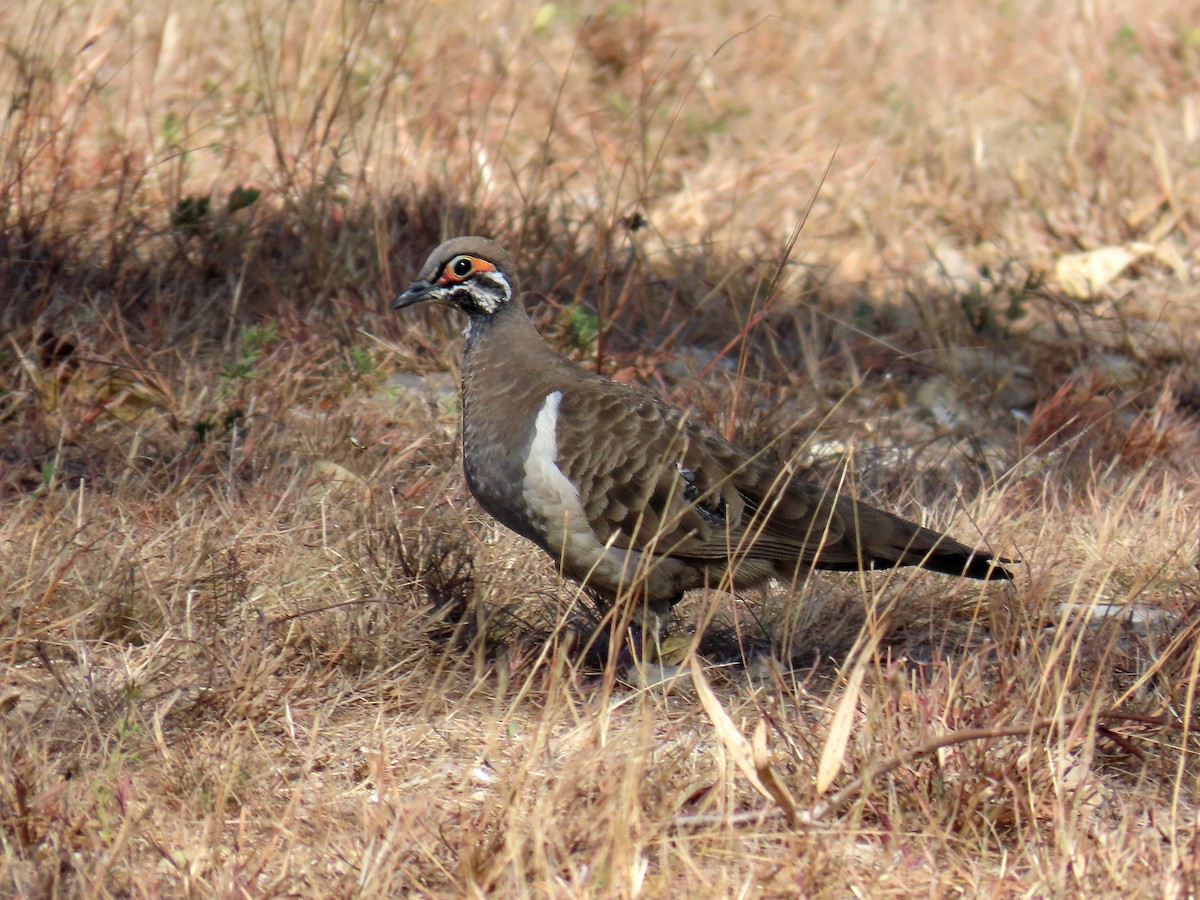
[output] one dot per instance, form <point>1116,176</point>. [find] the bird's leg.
<point>631,630</point>
<point>651,621</point>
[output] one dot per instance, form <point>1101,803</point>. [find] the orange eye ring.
<point>463,267</point>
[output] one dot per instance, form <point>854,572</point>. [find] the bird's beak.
<point>418,292</point>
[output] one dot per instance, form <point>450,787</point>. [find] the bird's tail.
<point>958,559</point>
<point>906,543</point>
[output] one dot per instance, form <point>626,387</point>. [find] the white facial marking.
<point>487,300</point>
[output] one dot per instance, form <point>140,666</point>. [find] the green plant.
<point>255,341</point>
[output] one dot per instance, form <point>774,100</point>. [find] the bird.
<point>630,495</point>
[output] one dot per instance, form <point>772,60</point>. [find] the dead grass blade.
<point>767,775</point>
<point>834,751</point>
<point>753,763</point>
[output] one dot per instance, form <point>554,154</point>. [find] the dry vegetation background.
<point>257,639</point>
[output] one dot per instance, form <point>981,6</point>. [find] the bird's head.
<point>472,274</point>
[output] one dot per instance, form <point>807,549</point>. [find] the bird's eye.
<point>462,266</point>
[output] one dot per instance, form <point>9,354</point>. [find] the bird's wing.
<point>653,479</point>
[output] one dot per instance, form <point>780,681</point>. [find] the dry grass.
<point>257,638</point>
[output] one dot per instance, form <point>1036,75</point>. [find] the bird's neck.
<point>507,372</point>
<point>507,368</point>
<point>506,336</point>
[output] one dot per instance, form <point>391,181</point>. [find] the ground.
<point>258,639</point>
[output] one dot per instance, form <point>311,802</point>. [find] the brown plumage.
<point>626,492</point>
